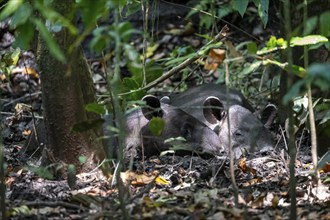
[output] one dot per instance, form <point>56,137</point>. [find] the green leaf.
<point>91,11</point>
<point>224,11</point>
<point>53,46</point>
<point>130,52</point>
<point>21,15</point>
<point>240,6</point>
<point>96,108</point>
<point>293,92</point>
<point>55,19</point>
<point>125,30</point>
<point>82,159</point>
<point>308,40</point>
<point>15,55</point>
<point>178,143</point>
<point>130,85</point>
<point>153,71</point>
<point>132,7</point>
<point>10,8</point>
<point>156,126</point>
<point>297,70</point>
<point>263,11</point>
<point>325,118</point>
<point>324,23</point>
<point>272,42</point>
<point>252,48</point>
<point>24,36</point>
<point>250,68</point>
<point>320,70</point>
<point>100,40</point>
<point>311,24</point>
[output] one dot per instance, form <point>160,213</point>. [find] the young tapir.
<point>208,102</point>
<point>198,137</point>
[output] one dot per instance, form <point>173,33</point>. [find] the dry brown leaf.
<point>215,57</point>
<point>325,168</point>
<point>258,202</point>
<point>27,70</point>
<point>26,132</point>
<point>245,168</point>
<point>253,181</point>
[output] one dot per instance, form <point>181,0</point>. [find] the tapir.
<point>208,103</point>
<point>177,123</point>
<point>196,135</point>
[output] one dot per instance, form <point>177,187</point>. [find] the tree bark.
<point>66,88</point>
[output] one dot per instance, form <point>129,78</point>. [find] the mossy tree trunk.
<point>66,88</point>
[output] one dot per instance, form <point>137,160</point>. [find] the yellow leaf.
<point>162,181</point>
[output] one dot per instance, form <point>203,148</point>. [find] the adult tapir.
<point>207,103</point>
<point>177,123</point>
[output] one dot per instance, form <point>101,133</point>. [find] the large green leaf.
<point>240,6</point>
<point>96,108</point>
<point>156,126</point>
<point>91,11</point>
<point>324,23</point>
<point>21,15</point>
<point>55,19</point>
<point>24,36</point>
<point>10,8</point>
<point>308,40</point>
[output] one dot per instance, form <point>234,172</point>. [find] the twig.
<point>22,98</point>
<point>54,204</point>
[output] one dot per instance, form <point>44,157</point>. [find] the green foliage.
<point>8,61</point>
<point>240,6</point>
<point>178,55</point>
<point>91,11</point>
<point>96,108</point>
<point>226,8</point>
<point>324,23</point>
<point>317,24</point>
<point>156,126</point>
<point>317,76</point>
<point>274,44</point>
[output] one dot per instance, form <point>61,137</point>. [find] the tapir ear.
<point>165,99</point>
<point>213,109</point>
<point>152,107</point>
<point>268,114</point>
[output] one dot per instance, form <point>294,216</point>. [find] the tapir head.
<point>177,123</point>
<point>245,129</point>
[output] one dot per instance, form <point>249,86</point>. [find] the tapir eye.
<point>187,131</point>
<point>238,133</point>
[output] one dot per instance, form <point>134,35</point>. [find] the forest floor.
<point>159,187</point>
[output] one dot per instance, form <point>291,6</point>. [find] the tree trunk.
<point>66,88</point>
